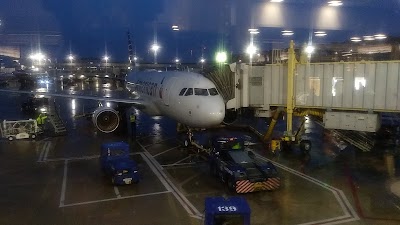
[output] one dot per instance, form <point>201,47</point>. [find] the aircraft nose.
<point>216,112</point>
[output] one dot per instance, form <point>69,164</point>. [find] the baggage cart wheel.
<point>10,138</point>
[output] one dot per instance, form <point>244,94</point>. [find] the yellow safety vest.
<point>41,118</point>
<point>236,146</point>
<point>133,118</point>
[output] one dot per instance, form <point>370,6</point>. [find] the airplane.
<point>186,97</point>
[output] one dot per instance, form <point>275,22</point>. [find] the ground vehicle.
<point>117,164</point>
<point>239,169</point>
<point>221,211</point>
<point>19,129</point>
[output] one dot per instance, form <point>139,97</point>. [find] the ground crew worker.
<point>41,119</point>
<point>132,119</point>
<point>236,146</point>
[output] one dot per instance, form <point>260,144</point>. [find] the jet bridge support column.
<point>290,91</point>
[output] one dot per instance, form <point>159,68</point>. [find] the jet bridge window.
<point>189,92</point>
<point>200,91</point>
<point>213,91</point>
<point>182,91</point>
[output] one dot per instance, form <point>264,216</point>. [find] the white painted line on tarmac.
<point>185,203</point>
<point>180,160</point>
<point>189,179</point>
<point>158,142</point>
<point>117,192</point>
<point>155,171</point>
<point>341,203</point>
<point>178,164</point>
<point>40,159</point>
<point>165,151</point>
<point>47,152</point>
<point>73,158</point>
<point>339,195</point>
<point>398,207</point>
<point>64,185</point>
<point>342,221</point>
<point>325,221</point>
<point>82,157</point>
<point>113,199</point>
<point>137,139</point>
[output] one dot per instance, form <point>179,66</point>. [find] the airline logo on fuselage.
<point>147,88</point>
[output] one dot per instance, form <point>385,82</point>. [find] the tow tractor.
<point>222,211</point>
<point>240,170</point>
<point>116,163</point>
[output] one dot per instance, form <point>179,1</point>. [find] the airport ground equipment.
<point>116,163</point>
<point>239,169</point>
<point>19,129</point>
<point>220,210</point>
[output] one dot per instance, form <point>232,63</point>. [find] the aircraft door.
<point>168,89</point>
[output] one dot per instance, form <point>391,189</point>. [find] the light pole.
<point>70,58</point>
<point>106,58</point>
<point>251,49</point>
<point>155,47</point>
<point>221,57</point>
<point>202,61</point>
<point>175,29</point>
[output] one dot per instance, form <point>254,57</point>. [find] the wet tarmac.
<point>57,180</point>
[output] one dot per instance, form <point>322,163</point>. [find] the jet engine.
<point>106,119</point>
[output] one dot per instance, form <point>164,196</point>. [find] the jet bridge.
<point>350,93</point>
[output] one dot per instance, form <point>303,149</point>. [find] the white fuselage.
<point>186,97</point>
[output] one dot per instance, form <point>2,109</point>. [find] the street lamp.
<point>221,57</point>
<point>106,58</point>
<point>309,49</point>
<point>70,58</point>
<point>251,50</point>
<point>155,47</point>
<point>202,61</point>
<point>37,57</point>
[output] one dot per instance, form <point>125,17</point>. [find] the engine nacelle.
<point>106,119</point>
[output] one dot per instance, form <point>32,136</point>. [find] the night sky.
<point>88,27</point>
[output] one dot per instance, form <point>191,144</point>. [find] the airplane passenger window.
<point>213,91</point>
<point>189,92</point>
<point>200,91</point>
<point>182,91</point>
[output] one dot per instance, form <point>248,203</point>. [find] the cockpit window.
<point>201,91</point>
<point>182,91</point>
<point>189,92</point>
<point>213,91</point>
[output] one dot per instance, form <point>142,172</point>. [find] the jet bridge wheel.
<point>186,142</point>
<point>231,184</point>
<point>305,146</point>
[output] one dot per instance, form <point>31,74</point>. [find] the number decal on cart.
<point>227,208</point>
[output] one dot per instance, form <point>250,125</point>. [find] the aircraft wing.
<point>136,102</point>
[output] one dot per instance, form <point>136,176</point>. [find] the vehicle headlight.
<point>240,175</point>
<point>270,171</point>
